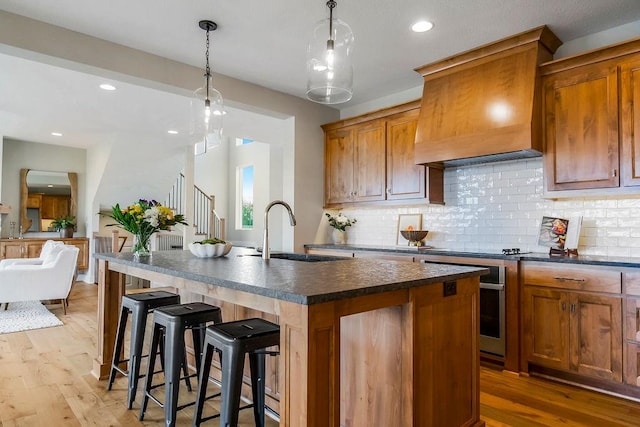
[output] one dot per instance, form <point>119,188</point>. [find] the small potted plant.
<point>65,225</point>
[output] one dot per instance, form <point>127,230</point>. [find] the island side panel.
<point>309,365</point>
<point>111,286</point>
<point>371,368</point>
<point>446,355</point>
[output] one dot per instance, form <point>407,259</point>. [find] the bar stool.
<point>234,340</point>
<point>139,306</point>
<point>170,325</point>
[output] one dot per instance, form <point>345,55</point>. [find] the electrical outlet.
<point>449,288</point>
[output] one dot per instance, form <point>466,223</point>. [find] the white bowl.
<point>209,250</point>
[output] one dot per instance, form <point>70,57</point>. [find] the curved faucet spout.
<point>266,252</point>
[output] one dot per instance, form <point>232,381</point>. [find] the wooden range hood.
<point>484,104</point>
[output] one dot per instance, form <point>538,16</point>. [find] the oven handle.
<point>492,286</point>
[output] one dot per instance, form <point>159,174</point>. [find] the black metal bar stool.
<point>170,325</point>
<point>139,306</point>
<point>234,340</point>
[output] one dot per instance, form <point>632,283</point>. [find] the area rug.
<point>23,316</point>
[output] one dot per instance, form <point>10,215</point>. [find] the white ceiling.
<point>261,42</point>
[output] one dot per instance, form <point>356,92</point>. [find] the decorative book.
<point>553,232</point>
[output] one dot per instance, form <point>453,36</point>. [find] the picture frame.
<point>404,221</point>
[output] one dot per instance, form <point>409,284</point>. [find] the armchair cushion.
<point>52,255</point>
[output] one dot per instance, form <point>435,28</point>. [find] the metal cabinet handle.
<point>570,279</point>
<point>573,308</point>
<point>564,306</point>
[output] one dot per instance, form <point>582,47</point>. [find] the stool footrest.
<point>210,417</point>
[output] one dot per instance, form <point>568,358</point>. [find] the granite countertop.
<point>296,281</point>
<point>532,256</point>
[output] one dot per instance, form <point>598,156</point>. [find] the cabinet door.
<point>369,158</point>
<point>581,138</point>
<point>405,179</point>
<point>596,336</point>
<point>546,327</point>
<point>338,175</point>
<point>11,249</point>
<point>83,255</point>
<point>33,249</point>
<point>630,123</point>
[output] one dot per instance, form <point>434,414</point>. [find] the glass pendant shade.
<point>329,67</point>
<point>206,115</point>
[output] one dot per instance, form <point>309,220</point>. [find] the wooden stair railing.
<point>206,220</point>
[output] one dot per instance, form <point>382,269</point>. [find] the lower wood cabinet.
<point>632,328</point>
<point>20,248</point>
<point>568,327</point>
<point>31,248</point>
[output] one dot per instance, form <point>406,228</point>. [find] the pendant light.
<point>329,68</point>
<point>207,107</point>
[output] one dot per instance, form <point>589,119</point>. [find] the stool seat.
<point>234,340</point>
<point>139,305</point>
<point>170,324</point>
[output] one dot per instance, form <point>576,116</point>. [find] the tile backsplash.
<point>500,205</point>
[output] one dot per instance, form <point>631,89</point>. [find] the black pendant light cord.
<point>207,69</point>
<point>208,26</point>
<point>330,4</point>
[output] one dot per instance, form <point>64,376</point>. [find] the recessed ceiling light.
<point>106,86</point>
<point>172,132</point>
<point>56,134</point>
<point>422,26</point>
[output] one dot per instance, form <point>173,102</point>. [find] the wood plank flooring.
<point>45,380</point>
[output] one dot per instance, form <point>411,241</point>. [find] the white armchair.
<point>50,280</point>
<point>44,253</point>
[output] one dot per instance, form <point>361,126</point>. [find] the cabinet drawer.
<point>632,283</point>
<point>564,277</point>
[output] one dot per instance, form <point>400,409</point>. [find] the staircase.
<point>206,221</point>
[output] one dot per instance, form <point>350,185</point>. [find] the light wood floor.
<point>45,380</point>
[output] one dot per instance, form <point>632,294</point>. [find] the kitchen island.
<point>363,341</point>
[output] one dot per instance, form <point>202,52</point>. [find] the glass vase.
<point>141,245</point>
<point>339,237</point>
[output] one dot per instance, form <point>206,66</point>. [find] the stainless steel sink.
<point>302,257</point>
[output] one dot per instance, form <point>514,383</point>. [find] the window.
<point>246,187</point>
<point>243,141</point>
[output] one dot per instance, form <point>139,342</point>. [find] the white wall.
<point>600,39</point>
<point>258,155</point>
<point>45,157</point>
<point>500,205</point>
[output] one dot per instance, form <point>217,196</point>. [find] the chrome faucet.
<point>266,253</point>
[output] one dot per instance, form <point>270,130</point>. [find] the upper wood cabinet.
<point>630,121</point>
<point>581,113</point>
<point>354,164</point>
<point>405,179</point>
<point>590,121</point>
<point>370,158</point>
